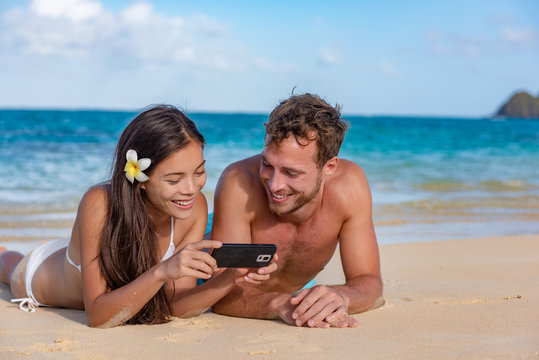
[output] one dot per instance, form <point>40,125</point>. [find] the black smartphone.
<point>244,255</point>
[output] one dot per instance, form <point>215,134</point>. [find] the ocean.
<point>431,178</point>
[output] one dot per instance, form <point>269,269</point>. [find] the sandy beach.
<point>465,299</point>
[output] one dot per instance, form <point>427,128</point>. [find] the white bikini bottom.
<point>37,256</point>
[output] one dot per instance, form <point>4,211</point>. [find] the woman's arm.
<point>105,308</point>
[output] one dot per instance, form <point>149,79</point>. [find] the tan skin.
<point>173,190</point>
<point>257,201</point>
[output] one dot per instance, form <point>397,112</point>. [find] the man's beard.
<point>300,202</point>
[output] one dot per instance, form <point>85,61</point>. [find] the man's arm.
<point>359,251</point>
<point>234,202</point>
<point>250,302</point>
<point>359,256</point>
<point>231,216</point>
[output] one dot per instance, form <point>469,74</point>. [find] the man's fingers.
<point>345,321</point>
<point>304,300</point>
<point>337,314</point>
<point>259,277</point>
<point>271,267</point>
<point>317,313</point>
<point>302,314</point>
<point>323,325</point>
<point>251,281</point>
<point>296,299</point>
<point>267,269</point>
<point>353,323</point>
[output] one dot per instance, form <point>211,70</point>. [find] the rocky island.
<point>521,105</point>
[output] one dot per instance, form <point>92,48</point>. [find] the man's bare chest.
<point>303,251</point>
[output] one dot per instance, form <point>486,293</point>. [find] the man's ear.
<point>331,166</point>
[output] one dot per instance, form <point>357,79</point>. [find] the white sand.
<point>466,299</point>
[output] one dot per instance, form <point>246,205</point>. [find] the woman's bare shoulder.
<point>95,200</point>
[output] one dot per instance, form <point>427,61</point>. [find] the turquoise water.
<point>431,178</point>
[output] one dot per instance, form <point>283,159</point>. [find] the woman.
<point>135,251</point>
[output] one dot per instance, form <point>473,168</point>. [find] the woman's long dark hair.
<point>129,244</point>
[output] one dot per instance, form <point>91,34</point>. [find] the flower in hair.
<point>134,167</point>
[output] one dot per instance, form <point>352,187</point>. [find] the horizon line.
<point>239,112</point>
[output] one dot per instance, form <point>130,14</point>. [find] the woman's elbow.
<point>96,321</point>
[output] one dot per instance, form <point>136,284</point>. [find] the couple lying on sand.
<point>137,249</point>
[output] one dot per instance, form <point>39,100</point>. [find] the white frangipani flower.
<point>134,167</point>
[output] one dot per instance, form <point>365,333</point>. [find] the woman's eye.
<point>200,173</point>
<point>173,182</point>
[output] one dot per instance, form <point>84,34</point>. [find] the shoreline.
<point>23,232</point>
<point>467,298</point>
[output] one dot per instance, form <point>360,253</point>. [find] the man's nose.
<point>275,182</point>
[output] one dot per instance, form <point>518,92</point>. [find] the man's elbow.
<point>221,308</point>
<point>371,291</point>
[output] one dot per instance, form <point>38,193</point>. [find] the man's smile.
<point>280,198</point>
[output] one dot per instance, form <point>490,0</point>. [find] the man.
<point>300,196</point>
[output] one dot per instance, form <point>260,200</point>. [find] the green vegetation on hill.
<point>521,105</point>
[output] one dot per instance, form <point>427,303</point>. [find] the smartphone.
<point>244,255</point>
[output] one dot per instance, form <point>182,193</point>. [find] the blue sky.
<point>458,58</point>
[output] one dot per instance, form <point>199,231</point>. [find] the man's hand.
<point>321,306</point>
<point>255,276</point>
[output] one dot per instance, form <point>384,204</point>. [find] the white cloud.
<point>264,64</point>
<point>433,35</point>
<point>514,34</point>
<point>206,25</point>
<point>137,14</point>
<point>329,56</point>
<point>388,68</point>
<point>269,66</point>
<point>510,37</point>
<point>443,44</point>
<point>520,37</point>
<point>74,10</point>
<point>501,19</point>
<point>138,34</point>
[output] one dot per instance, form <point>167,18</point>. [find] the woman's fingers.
<point>204,244</point>
<point>191,260</point>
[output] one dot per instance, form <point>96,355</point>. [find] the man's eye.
<point>173,182</point>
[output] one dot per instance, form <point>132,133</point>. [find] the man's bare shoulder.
<point>241,172</point>
<point>349,185</point>
<point>348,172</point>
<point>239,193</point>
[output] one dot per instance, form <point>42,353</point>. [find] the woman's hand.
<point>255,276</point>
<point>191,261</point>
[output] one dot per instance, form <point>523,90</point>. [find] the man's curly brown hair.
<point>308,118</point>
